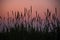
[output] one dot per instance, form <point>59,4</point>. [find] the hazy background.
<point>39,5</point>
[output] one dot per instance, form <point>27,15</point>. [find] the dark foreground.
<point>24,35</point>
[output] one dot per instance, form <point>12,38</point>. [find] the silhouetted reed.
<point>24,28</point>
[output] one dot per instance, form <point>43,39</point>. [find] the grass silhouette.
<point>27,31</point>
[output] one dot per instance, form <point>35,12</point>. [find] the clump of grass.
<point>51,25</point>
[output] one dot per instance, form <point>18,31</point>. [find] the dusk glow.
<point>29,19</point>
<point>39,5</point>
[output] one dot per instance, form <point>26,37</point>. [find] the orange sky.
<point>39,5</point>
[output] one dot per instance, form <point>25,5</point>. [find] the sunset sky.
<point>39,5</point>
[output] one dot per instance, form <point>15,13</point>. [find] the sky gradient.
<point>39,5</point>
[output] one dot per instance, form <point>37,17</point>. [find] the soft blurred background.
<point>39,5</point>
